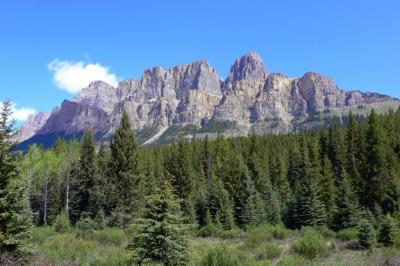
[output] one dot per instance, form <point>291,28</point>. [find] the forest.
<point>322,197</point>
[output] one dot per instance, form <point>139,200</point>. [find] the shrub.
<point>347,234</point>
<point>366,234</point>
<point>108,236</point>
<point>389,232</point>
<point>257,236</point>
<point>279,232</point>
<point>40,234</point>
<point>326,232</point>
<point>229,234</point>
<point>100,220</point>
<point>294,261</point>
<point>311,245</point>
<point>267,251</point>
<point>208,230</point>
<point>62,223</point>
<point>223,255</point>
<point>86,224</point>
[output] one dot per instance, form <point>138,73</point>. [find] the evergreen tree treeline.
<point>330,177</point>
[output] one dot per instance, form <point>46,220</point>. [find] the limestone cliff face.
<point>194,94</point>
<point>31,126</point>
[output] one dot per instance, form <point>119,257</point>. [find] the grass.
<point>257,246</point>
<point>104,247</point>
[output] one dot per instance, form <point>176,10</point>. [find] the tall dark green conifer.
<point>15,215</point>
<point>124,167</point>
<point>160,235</point>
<point>376,152</point>
<point>83,184</point>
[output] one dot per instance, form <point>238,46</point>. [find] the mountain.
<point>191,101</point>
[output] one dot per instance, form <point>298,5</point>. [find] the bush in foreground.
<point>267,251</point>
<point>62,223</point>
<point>347,234</point>
<point>366,234</point>
<point>311,245</point>
<point>224,255</point>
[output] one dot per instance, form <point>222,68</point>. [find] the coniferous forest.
<point>322,197</point>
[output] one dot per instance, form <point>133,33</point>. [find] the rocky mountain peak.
<point>249,66</point>
<point>31,126</point>
<point>98,94</point>
<point>193,94</point>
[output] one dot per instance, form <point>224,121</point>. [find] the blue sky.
<point>45,43</point>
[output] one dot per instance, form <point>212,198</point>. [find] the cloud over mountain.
<point>73,76</point>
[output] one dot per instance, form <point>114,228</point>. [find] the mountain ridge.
<point>194,94</point>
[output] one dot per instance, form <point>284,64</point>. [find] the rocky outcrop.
<point>194,94</point>
<point>31,126</point>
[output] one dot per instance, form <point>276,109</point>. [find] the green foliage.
<point>86,224</point>
<point>83,184</point>
<point>107,236</point>
<point>389,233</point>
<point>124,169</point>
<point>347,212</point>
<point>311,245</point>
<point>100,220</point>
<point>366,234</point>
<point>67,249</point>
<point>159,235</point>
<point>347,234</point>
<point>267,251</point>
<point>62,223</point>
<point>223,255</point>
<point>295,261</point>
<point>15,215</point>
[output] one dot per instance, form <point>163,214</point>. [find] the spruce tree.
<point>160,235</point>
<point>15,215</point>
<point>219,203</point>
<point>328,189</point>
<point>124,170</point>
<point>307,208</point>
<point>377,166</point>
<point>347,211</point>
<point>366,234</point>
<point>389,233</point>
<point>83,184</point>
<point>354,155</point>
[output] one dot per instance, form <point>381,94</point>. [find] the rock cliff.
<point>194,95</point>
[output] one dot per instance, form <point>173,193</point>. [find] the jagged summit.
<point>193,96</point>
<point>249,66</point>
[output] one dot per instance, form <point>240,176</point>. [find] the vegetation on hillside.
<point>294,199</point>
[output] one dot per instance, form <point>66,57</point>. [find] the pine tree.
<point>389,233</point>
<point>125,172</point>
<point>180,168</point>
<point>347,211</point>
<point>160,235</point>
<point>328,189</point>
<point>219,203</point>
<point>249,206</point>
<point>15,215</point>
<point>354,154</point>
<point>366,234</point>
<point>376,162</point>
<point>84,183</point>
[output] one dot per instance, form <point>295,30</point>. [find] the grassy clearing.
<point>258,246</point>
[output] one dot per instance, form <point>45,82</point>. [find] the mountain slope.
<point>194,101</point>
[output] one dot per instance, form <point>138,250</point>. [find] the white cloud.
<point>20,114</point>
<point>73,76</point>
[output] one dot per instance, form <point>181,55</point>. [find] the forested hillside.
<point>330,177</point>
<point>338,178</point>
